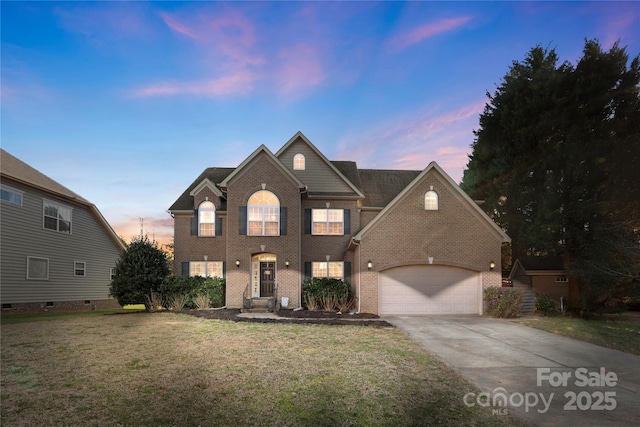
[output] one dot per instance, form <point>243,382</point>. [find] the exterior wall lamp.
<point>238,263</point>
<point>492,265</point>
<point>286,263</point>
<point>369,265</point>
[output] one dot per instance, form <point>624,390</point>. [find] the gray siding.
<point>318,175</point>
<point>23,235</point>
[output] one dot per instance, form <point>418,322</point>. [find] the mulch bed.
<point>301,317</point>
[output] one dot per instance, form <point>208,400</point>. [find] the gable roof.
<point>538,265</point>
<point>433,166</point>
<point>300,136</point>
<point>17,170</point>
<point>265,150</point>
<point>213,175</point>
<point>381,186</point>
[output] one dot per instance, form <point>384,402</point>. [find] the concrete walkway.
<point>548,379</point>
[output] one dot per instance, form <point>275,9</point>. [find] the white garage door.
<point>429,289</point>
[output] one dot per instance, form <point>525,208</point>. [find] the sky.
<point>126,103</point>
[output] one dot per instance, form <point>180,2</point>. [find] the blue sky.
<point>126,103</point>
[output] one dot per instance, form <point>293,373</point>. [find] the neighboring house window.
<point>334,270</point>
<point>263,214</point>
<point>10,195</point>
<point>561,279</point>
<point>327,221</point>
<point>57,217</point>
<point>431,201</point>
<point>112,273</point>
<point>37,268</point>
<point>206,219</point>
<point>210,269</point>
<point>298,162</point>
<point>79,268</point>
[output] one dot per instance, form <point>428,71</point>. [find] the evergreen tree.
<point>139,271</point>
<point>555,159</point>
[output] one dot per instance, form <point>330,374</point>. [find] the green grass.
<point>165,369</point>
<point>623,335</point>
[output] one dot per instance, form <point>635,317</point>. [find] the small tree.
<point>139,271</point>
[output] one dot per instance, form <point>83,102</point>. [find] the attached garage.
<point>429,289</point>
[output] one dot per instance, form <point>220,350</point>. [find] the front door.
<point>267,278</point>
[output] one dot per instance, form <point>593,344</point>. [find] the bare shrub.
<point>311,303</point>
<point>177,302</point>
<point>329,302</point>
<point>202,302</point>
<point>346,304</point>
<point>153,301</point>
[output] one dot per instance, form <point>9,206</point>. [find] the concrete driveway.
<point>546,378</point>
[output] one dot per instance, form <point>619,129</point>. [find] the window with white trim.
<point>333,270</point>
<point>263,214</point>
<point>299,162</point>
<point>56,216</point>
<point>206,219</point>
<point>327,221</point>
<point>79,268</point>
<point>431,201</point>
<point>112,273</point>
<point>205,268</point>
<point>37,268</point>
<point>10,195</point>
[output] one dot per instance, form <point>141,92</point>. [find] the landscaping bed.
<point>291,316</point>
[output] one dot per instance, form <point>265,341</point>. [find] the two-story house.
<point>57,251</point>
<point>407,241</point>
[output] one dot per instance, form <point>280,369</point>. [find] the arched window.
<point>263,214</point>
<point>206,219</point>
<point>298,162</point>
<point>431,201</point>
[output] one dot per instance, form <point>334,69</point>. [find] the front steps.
<point>259,305</point>
<point>528,297</point>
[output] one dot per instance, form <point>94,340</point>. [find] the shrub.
<point>503,302</point>
<point>177,302</point>
<point>192,287</point>
<point>325,292</point>
<point>545,305</point>
<point>202,302</point>
<point>311,303</point>
<point>139,270</point>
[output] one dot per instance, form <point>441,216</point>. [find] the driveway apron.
<point>546,378</point>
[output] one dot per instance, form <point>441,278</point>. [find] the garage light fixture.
<point>286,263</point>
<point>369,265</point>
<point>492,265</point>
<point>238,263</point>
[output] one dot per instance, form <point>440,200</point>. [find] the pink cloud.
<point>236,83</point>
<point>416,35</point>
<point>300,68</point>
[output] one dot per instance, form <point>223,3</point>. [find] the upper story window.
<point>327,221</point>
<point>57,217</point>
<point>431,201</point>
<point>206,219</point>
<point>298,162</point>
<point>10,195</point>
<point>263,214</point>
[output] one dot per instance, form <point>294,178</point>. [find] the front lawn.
<point>623,335</point>
<point>168,369</point>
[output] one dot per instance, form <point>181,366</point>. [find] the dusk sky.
<point>126,103</point>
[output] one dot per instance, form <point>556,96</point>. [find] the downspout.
<point>359,273</point>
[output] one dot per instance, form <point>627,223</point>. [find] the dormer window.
<point>298,162</point>
<point>206,219</point>
<point>431,201</point>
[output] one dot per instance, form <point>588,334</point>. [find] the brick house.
<point>407,241</point>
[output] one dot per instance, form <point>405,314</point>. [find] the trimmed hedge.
<point>192,287</point>
<point>323,290</point>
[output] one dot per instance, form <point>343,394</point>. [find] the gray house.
<point>57,252</point>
